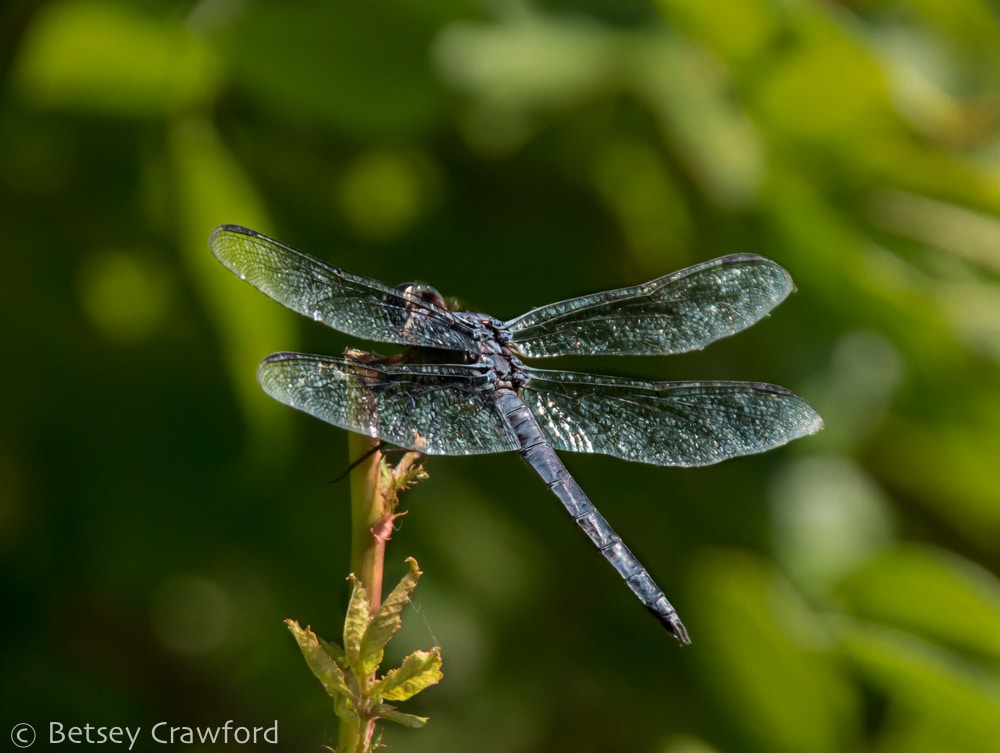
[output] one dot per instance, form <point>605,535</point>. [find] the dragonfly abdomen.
<point>540,456</point>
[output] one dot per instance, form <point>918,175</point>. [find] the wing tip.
<point>815,425</point>
<point>220,246</point>
<point>809,420</point>
<point>233,228</point>
<point>782,291</point>
<point>216,239</point>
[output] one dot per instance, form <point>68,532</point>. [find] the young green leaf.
<point>320,661</point>
<point>345,708</point>
<point>408,472</point>
<point>336,652</point>
<point>387,620</point>
<point>419,670</point>
<point>355,623</point>
<point>407,720</point>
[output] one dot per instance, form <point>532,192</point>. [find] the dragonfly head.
<point>424,293</point>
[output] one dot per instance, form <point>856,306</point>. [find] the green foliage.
<point>348,674</point>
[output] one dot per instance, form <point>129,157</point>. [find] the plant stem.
<point>369,509</point>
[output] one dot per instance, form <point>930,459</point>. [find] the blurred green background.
<point>160,517</point>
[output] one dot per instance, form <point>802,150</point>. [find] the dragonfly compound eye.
<point>425,293</point>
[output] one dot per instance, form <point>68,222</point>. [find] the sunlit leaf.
<point>344,708</point>
<point>689,96</point>
<point>407,720</point>
<point>419,670</point>
<point>932,694</point>
<point>355,623</point>
<point>320,661</point>
<point>105,56</point>
<point>782,687</point>
<point>386,620</point>
<point>830,88</point>
<point>930,592</point>
<point>516,70</point>
<point>211,187</point>
<point>644,197</point>
<point>949,466</point>
<point>737,35</point>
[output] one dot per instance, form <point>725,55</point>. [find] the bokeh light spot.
<point>124,298</point>
<point>190,615</point>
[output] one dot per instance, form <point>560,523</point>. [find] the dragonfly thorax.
<point>494,350</point>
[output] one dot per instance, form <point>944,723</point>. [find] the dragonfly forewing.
<point>675,313</point>
<point>347,302</point>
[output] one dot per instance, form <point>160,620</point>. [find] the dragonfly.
<point>459,387</point>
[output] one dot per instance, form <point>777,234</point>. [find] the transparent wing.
<point>435,409</point>
<point>665,423</point>
<point>347,302</point>
<point>679,312</point>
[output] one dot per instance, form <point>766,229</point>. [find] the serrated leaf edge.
<point>418,671</point>
<point>355,623</point>
<point>387,620</point>
<point>319,660</point>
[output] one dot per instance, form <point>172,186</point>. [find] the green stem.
<point>369,510</point>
